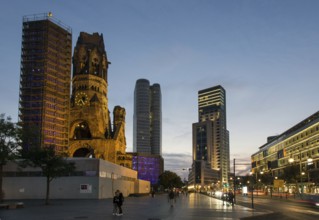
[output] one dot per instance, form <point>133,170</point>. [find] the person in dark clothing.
<point>171,196</point>
<point>120,203</point>
<point>231,198</point>
<point>116,200</point>
<point>153,193</point>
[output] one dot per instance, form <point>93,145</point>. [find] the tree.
<point>291,173</point>
<point>9,143</point>
<point>51,164</point>
<point>170,179</point>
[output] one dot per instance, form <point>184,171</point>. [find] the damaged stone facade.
<point>92,134</point>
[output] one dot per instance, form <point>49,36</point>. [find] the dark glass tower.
<point>45,81</point>
<point>147,129</point>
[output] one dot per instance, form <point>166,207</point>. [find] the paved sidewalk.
<point>195,206</point>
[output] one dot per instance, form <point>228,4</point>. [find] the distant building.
<point>298,145</point>
<point>149,167</point>
<point>147,130</point>
<point>210,140</point>
<point>45,81</point>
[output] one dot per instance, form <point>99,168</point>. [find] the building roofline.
<point>306,122</point>
<point>211,88</point>
<point>46,16</point>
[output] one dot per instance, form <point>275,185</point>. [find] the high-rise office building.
<point>147,131</point>
<point>210,139</point>
<point>45,81</point>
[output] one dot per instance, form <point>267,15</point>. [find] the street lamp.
<point>301,173</point>
<point>112,178</point>
<point>291,160</point>
<point>235,179</point>
<point>309,168</point>
<point>257,180</point>
<point>252,191</point>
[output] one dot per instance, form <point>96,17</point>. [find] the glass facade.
<point>147,128</point>
<point>149,168</point>
<point>299,144</point>
<point>210,139</point>
<point>201,143</point>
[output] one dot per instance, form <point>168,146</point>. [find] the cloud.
<point>242,164</point>
<point>178,163</point>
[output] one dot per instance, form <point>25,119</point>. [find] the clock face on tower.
<point>81,99</point>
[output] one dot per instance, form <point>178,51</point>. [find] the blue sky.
<point>264,53</point>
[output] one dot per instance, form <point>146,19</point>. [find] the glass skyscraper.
<point>147,131</point>
<point>210,139</point>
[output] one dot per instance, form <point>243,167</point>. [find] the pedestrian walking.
<point>231,198</point>
<point>171,196</point>
<point>116,200</point>
<point>120,203</point>
<point>153,193</point>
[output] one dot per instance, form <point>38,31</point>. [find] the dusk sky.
<point>265,53</point>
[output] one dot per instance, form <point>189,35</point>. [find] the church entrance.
<point>84,152</point>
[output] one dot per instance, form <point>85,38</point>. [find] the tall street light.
<point>252,205</point>
<point>301,173</point>
<point>291,160</point>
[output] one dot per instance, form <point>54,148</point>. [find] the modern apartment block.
<point>210,140</point>
<point>147,131</point>
<point>45,81</point>
<point>299,146</point>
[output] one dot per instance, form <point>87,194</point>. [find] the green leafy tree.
<point>291,173</point>
<point>9,143</point>
<point>170,179</point>
<point>51,164</point>
<point>267,178</point>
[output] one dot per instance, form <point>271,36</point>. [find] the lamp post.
<point>301,173</point>
<point>309,168</point>
<point>291,160</point>
<point>252,191</point>
<point>252,205</point>
<point>257,181</point>
<point>112,178</point>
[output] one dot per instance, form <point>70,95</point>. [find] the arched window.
<point>82,131</point>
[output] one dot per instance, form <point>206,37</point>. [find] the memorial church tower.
<point>91,132</point>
